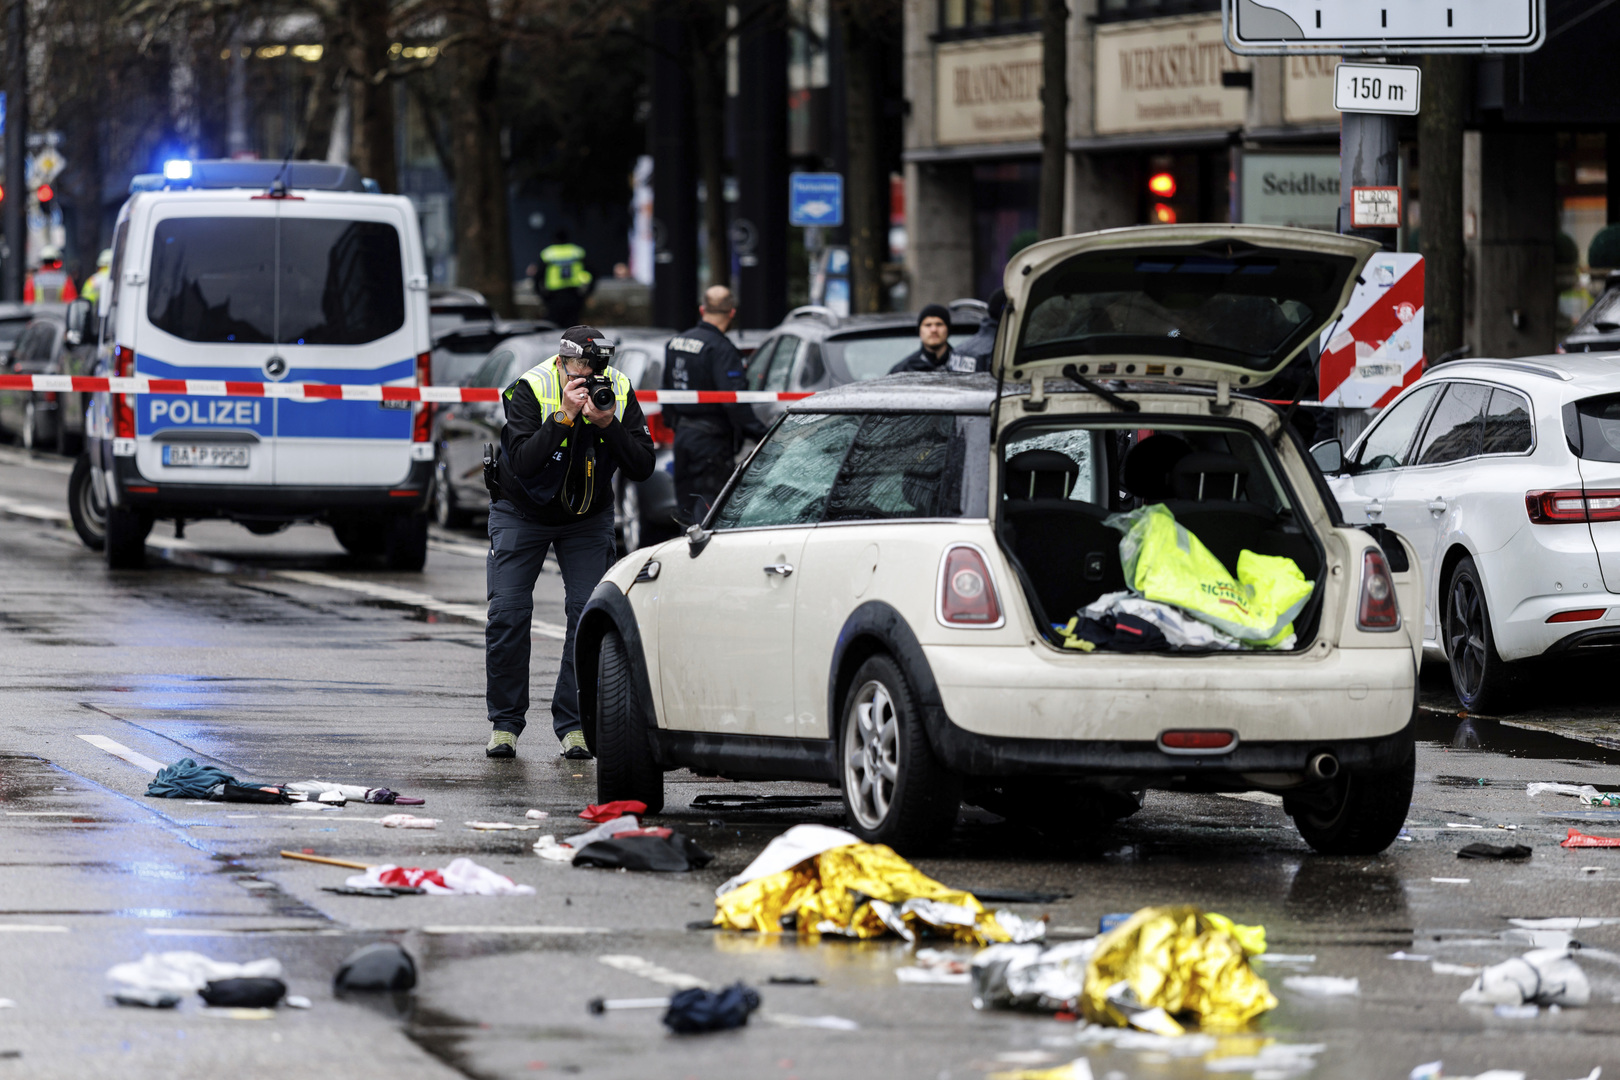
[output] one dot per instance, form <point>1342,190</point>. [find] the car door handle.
<point>781,568</point>
<point>1437,506</point>
<point>1375,508</point>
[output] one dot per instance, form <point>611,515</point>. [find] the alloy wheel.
<point>1466,636</point>
<point>443,506</point>
<point>630,526</point>
<point>30,418</point>
<point>871,754</point>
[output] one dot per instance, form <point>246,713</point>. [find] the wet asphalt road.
<point>277,658</point>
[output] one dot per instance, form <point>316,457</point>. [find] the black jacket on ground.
<point>703,358</point>
<point>953,361</point>
<point>554,484</point>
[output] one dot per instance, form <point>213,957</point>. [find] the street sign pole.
<point>14,208</point>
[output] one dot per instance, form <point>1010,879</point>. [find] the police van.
<point>262,272</point>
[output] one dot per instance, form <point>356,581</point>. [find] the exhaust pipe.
<point>1322,767</point>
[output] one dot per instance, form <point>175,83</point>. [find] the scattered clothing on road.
<point>608,811</point>
<point>697,1010</point>
<point>462,877</point>
<point>186,779</point>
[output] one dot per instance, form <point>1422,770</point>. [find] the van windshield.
<point>220,280</point>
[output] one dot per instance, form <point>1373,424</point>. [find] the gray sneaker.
<point>574,746</point>
<point>501,744</point>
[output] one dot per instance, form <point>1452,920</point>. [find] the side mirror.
<point>1329,456</point>
<point>696,539</point>
<point>77,319</point>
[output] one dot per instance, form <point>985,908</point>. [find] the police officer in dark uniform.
<point>707,436</point>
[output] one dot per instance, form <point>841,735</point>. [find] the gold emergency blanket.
<point>861,891</point>
<point>1192,965</point>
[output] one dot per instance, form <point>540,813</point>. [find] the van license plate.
<point>206,457</point>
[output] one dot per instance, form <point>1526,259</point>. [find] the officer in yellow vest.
<point>565,281</point>
<point>97,281</point>
<point>565,437</point>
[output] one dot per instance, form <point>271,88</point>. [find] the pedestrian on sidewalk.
<point>572,421</point>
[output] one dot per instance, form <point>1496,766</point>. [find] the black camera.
<point>598,354</point>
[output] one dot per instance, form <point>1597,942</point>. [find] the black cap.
<point>583,341</point>
<point>934,311</point>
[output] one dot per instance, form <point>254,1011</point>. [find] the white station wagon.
<point>880,597</point>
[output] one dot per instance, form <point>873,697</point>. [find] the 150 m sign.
<point>1377,88</point>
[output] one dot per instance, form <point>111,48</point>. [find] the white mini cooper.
<point>879,598</point>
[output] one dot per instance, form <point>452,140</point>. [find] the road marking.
<point>1451,880</point>
<point>119,750</point>
<point>1264,798</point>
<point>171,931</point>
<point>31,928</point>
<point>42,813</point>
<point>458,547</point>
<point>377,590</point>
<point>34,512</point>
<point>557,930</point>
<point>635,965</point>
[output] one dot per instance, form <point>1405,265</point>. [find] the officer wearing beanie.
<point>572,421</point>
<point>936,354</point>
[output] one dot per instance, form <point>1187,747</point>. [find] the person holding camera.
<point>572,421</point>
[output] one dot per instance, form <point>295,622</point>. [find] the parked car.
<point>263,272</point>
<point>1505,476</point>
<point>1599,329</point>
<point>462,349</point>
<point>642,512</point>
<point>814,349</point>
<point>51,344</point>
<point>877,600</point>
<point>13,317</point>
<point>450,306</point>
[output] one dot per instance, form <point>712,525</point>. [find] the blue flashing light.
<point>177,169</point>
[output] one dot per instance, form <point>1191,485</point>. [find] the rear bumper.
<point>133,491</point>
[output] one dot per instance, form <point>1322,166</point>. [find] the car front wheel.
<point>896,792</point>
<point>625,767</point>
<point>1361,813</point>
<point>1480,677</point>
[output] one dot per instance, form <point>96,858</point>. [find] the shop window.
<point>970,18</point>
<point>1119,10</point>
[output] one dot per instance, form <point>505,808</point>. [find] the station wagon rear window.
<point>1251,308</point>
<point>1593,427</point>
<point>295,281</point>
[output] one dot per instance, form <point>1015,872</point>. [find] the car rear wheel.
<point>1481,678</point>
<point>87,506</point>
<point>125,545</point>
<point>1361,813</point>
<point>625,767</point>
<point>405,542</point>
<point>896,792</point>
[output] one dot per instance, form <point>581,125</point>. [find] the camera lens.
<point>603,397</point>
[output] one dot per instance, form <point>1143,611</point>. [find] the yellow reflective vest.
<point>565,267</point>
<point>547,380</point>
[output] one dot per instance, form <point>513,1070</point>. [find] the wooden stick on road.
<point>323,859</point>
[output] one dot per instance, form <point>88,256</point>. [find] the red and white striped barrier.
<point>85,384</point>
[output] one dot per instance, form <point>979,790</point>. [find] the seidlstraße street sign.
<point>1383,27</point>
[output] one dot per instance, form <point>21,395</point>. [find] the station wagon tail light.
<point>1583,615</point>
<point>422,424</point>
<point>1377,610</point>
<point>1572,506</point>
<point>967,593</point>
<point>123,411</point>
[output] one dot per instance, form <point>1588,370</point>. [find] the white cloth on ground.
<point>462,877</point>
<point>188,972</point>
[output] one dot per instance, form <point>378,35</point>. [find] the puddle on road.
<point>1507,737</point>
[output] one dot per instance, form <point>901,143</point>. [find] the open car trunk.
<point>1063,477</point>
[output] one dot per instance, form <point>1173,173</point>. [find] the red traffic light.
<point>1163,185</point>
<point>45,193</point>
<point>1164,214</point>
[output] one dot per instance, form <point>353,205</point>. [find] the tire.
<point>87,506</point>
<point>896,792</point>
<point>405,542</point>
<point>1367,810</point>
<point>625,768</point>
<point>359,537</point>
<point>31,437</point>
<point>631,531</point>
<point>126,538</point>
<point>447,512</point>
<point>1482,680</point>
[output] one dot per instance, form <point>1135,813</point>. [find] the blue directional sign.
<point>815,198</point>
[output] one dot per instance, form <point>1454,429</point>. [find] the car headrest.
<point>1041,474</point>
<point>1206,475</point>
<point>1146,469</point>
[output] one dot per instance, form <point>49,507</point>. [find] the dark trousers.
<point>517,550</point>
<point>704,461</point>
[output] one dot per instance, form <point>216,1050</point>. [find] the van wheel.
<point>625,768</point>
<point>896,792</point>
<point>126,538</point>
<point>1365,811</point>
<point>87,506</point>
<point>405,542</point>
<point>1483,681</point>
<point>359,537</point>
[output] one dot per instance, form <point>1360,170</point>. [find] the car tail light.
<point>123,411</point>
<point>661,433</point>
<point>422,425</point>
<point>1583,615</point>
<point>1377,610</point>
<point>1197,740</point>
<point>967,594</point>
<point>1572,506</point>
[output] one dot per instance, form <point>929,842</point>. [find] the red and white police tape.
<point>86,384</point>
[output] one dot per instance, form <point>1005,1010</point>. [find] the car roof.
<point>1568,376</point>
<point>912,391</point>
<point>819,323</point>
